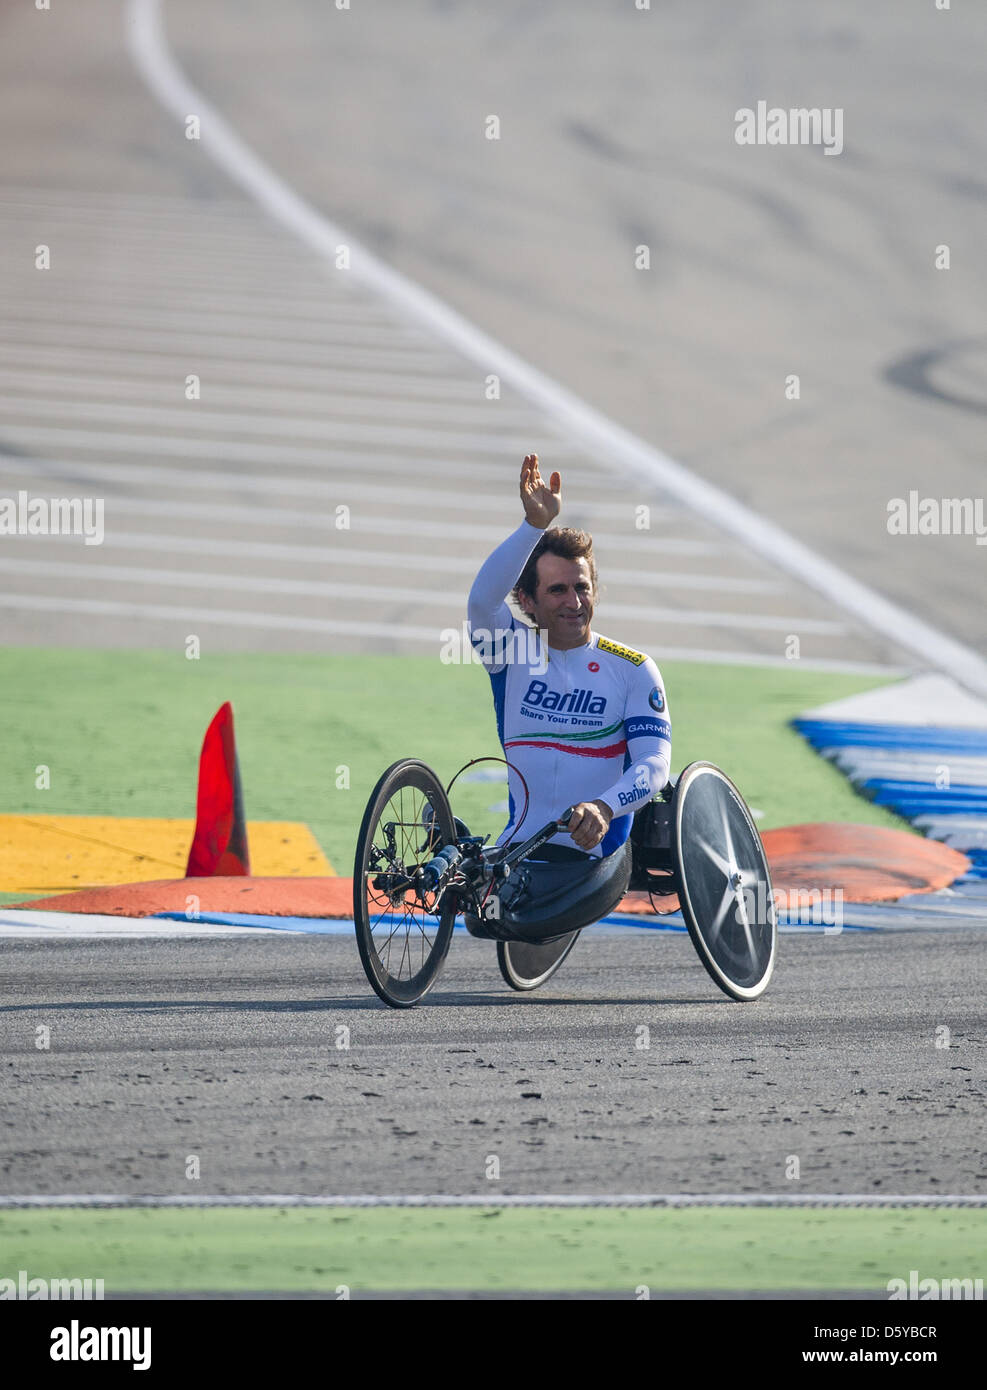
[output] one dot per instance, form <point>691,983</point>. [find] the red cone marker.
<point>219,845</point>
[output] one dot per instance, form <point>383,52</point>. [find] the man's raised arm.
<point>488,611</point>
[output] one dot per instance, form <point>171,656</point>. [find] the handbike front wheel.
<point>724,883</point>
<point>402,941</point>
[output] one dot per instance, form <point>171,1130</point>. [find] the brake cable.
<point>527,801</point>
<point>514,768</point>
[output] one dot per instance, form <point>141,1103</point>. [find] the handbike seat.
<point>546,899</point>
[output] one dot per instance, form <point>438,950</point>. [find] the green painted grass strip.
<point>121,733</point>
<point>534,1249</point>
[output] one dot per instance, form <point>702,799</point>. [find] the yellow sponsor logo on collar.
<point>628,653</point>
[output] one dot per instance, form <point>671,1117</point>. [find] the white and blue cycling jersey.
<point>589,723</point>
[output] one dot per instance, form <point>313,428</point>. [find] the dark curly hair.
<point>562,540</point>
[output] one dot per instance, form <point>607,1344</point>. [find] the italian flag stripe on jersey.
<point>580,738</point>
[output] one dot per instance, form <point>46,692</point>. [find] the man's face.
<point>563,603</point>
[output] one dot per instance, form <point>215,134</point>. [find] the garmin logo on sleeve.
<point>573,701</point>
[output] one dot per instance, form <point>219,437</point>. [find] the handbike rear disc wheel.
<point>525,967</point>
<point>402,943</point>
<point>724,883</point>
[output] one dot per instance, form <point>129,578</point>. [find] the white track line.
<point>229,617</point>
<point>285,485</point>
<point>71,203</point>
<point>273,454</point>
<point>185,415</point>
<point>194,618</point>
<point>98,573</point>
<point>176,446</point>
<point>677,1199</point>
<point>390,559</point>
<point>255,402</point>
<point>265,516</point>
<point>353,333</point>
<point>622,451</point>
<point>146,368</point>
<point>37,195</point>
<point>24,925</point>
<point>197,299</point>
<point>232,346</point>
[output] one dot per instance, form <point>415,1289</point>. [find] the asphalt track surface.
<point>617,129</point>
<point>765,262</point>
<point>221,511</point>
<point>159,1050</point>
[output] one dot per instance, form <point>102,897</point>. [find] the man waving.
<point>584,719</point>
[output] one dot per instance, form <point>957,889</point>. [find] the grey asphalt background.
<point>228,1050</point>
<point>617,130</point>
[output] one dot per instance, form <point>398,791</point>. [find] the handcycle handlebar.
<point>451,856</point>
<point>537,840</point>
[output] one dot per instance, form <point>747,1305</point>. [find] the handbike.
<point>417,867</point>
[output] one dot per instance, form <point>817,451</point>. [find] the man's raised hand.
<point>541,504</point>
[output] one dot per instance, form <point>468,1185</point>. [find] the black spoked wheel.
<point>526,967</point>
<point>402,940</point>
<point>724,882</point>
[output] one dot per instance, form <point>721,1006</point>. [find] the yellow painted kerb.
<point>58,854</point>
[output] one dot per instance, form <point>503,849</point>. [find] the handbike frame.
<point>470,870</point>
<point>684,842</point>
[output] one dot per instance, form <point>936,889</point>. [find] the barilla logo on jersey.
<point>615,649</point>
<point>573,701</point>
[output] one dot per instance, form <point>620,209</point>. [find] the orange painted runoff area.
<point>868,863</point>
<point>270,897</point>
<point>871,863</point>
<point>60,853</point>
